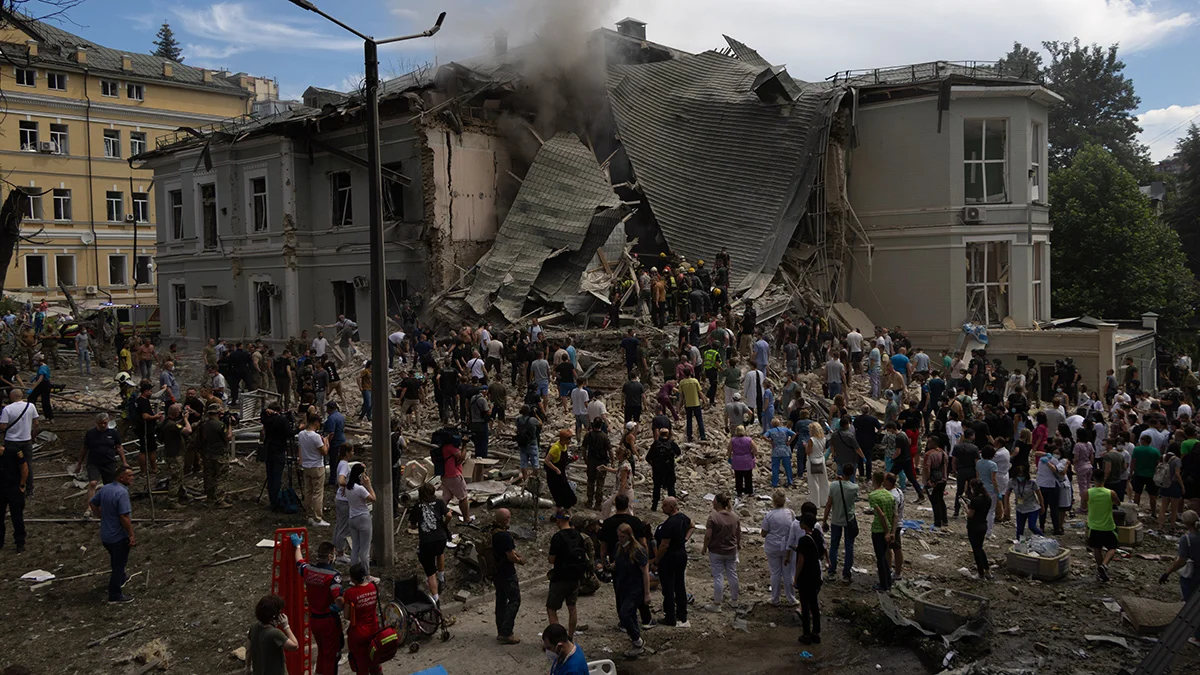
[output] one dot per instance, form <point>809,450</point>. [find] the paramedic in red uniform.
<point>322,586</point>
<point>359,603</point>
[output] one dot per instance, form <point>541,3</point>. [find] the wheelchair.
<point>414,615</point>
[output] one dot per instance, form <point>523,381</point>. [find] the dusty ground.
<point>201,612</point>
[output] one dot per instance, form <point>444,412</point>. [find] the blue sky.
<point>815,38</point>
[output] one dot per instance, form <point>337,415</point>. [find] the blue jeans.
<point>118,554</point>
<point>1032,519</point>
<point>836,534</point>
<point>698,413</point>
<point>835,388</point>
<point>787,465</point>
<point>365,413</point>
<point>85,361</point>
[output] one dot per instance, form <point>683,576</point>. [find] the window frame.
<point>206,242</point>
<point>35,211</point>
<point>259,203</point>
<point>1003,288</point>
<point>62,205</point>
<point>74,270</point>
<point>137,265</point>
<point>179,301</point>
<point>140,206</point>
<point>1036,178</point>
<point>18,78</point>
<point>119,201</point>
<point>124,258</point>
<point>341,198</point>
<point>131,87</point>
<point>262,308</point>
<point>983,162</point>
<point>60,138</point>
<point>24,133</point>
<point>137,138</point>
<point>1037,284</point>
<point>176,221</point>
<point>110,88</point>
<point>45,272</point>
<point>51,76</point>
<point>112,143</point>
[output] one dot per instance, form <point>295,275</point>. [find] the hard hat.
<point>700,263</point>
<point>716,291</point>
<point>662,255</point>
<point>691,269</point>
<point>122,377</point>
<point>653,269</point>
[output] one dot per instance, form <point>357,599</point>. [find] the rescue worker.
<point>723,260</point>
<point>323,587</point>
<point>703,275</point>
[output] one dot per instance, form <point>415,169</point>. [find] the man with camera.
<point>215,434</point>
<point>277,432</point>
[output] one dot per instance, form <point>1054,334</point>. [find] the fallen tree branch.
<point>121,633</point>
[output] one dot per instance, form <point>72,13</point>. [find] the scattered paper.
<point>949,657</point>
<point>1110,639</point>
<point>709,497</point>
<point>1112,606</point>
<point>930,556</point>
<point>37,576</point>
<point>1010,631</point>
<point>266,543</point>
<point>860,570</point>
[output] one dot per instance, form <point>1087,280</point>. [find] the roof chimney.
<point>126,62</point>
<point>80,54</point>
<point>32,46</point>
<point>1150,321</point>
<point>631,27</point>
<point>168,69</point>
<point>501,41</point>
<point>207,76</point>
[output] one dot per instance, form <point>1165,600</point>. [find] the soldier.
<point>173,430</point>
<point>214,438</point>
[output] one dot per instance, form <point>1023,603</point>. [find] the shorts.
<point>562,591</point>
<point>856,357</point>
<point>456,486</point>
<point>498,412</point>
<point>105,474</point>
<point>1175,491</point>
<point>428,554</point>
<point>1102,539</point>
<point>543,388</point>
<point>408,405</point>
<point>565,389</point>
<point>1143,484</point>
<point>529,457</point>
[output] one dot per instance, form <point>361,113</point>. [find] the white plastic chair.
<point>605,667</point>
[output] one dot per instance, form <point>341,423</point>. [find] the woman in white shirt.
<point>341,521</point>
<point>776,531</point>
<point>818,481</point>
<point>359,493</point>
<point>1003,460</point>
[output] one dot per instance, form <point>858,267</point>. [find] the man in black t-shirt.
<point>634,391</point>
<point>808,580</point>
<point>963,459</point>
<point>508,592</point>
<point>103,454</point>
<point>284,369</point>
<point>409,393</point>
<point>9,377</point>
<point>608,529</point>
<point>569,560</point>
<point>670,559</point>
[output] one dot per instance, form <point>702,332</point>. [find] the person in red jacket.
<point>360,603</point>
<point>323,587</point>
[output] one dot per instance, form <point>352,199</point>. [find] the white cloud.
<point>232,28</point>
<point>1162,127</point>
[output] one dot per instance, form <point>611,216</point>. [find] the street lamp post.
<point>383,540</point>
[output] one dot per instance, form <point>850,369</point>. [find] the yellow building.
<point>73,114</point>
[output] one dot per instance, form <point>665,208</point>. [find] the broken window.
<point>988,269</point>
<point>263,293</point>
<point>343,299</point>
<point>341,197</point>
<point>985,161</point>
<point>1039,305</point>
<point>208,214</point>
<point>393,194</point>
<point>1035,163</point>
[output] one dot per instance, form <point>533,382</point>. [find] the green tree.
<point>1099,105</point>
<point>166,46</point>
<point>1022,63</point>
<point>1111,256</point>
<point>1183,207</point>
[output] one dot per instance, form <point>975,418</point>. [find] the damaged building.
<point>527,181</point>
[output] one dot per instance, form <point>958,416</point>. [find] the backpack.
<point>576,563</point>
<point>129,410</point>
<point>1162,473</point>
<point>526,433</point>
<point>383,646</point>
<point>289,501</point>
<point>937,474</point>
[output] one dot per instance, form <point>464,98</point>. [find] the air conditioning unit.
<point>129,218</point>
<point>974,214</point>
<point>46,147</point>
<point>91,290</point>
<point>361,282</point>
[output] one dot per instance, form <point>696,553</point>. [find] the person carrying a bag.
<point>839,517</point>
<point>1187,562</point>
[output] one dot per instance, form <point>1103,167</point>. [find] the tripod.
<point>290,468</point>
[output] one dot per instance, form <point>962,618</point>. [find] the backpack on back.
<point>526,433</point>
<point>576,563</point>
<point>1162,473</point>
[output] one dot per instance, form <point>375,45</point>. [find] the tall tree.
<point>1099,105</point>
<point>166,46</point>
<point>1113,258</point>
<point>1022,63</point>
<point>1183,208</point>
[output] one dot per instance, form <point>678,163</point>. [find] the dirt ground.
<point>200,612</point>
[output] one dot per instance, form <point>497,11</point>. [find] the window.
<point>175,198</point>
<point>263,293</point>
<point>34,209</point>
<point>1039,305</point>
<point>143,265</point>
<point>28,133</point>
<point>141,207</point>
<point>135,92</point>
<point>64,270</point>
<point>343,298</point>
<point>397,290</point>
<point>116,270</point>
<point>1035,163</point>
<point>340,195</point>
<point>137,143</point>
<point>208,214</point>
<point>110,88</point>
<point>56,81</point>
<point>115,206</point>
<point>35,271</point>
<point>179,297</point>
<point>26,77</point>
<point>393,195</point>
<point>62,204</point>
<point>987,282</point>
<point>985,161</point>
<point>59,139</point>
<point>112,143</point>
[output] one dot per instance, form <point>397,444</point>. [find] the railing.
<point>930,70</point>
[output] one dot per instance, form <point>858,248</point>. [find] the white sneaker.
<point>712,607</point>
<point>342,560</point>
<point>321,523</point>
<point>683,624</point>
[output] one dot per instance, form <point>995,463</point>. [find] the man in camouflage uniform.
<point>214,439</point>
<point>172,431</point>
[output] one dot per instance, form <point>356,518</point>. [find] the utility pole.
<point>383,540</point>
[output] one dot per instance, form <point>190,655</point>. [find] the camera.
<point>230,418</point>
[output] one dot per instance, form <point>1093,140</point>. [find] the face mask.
<point>552,656</point>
